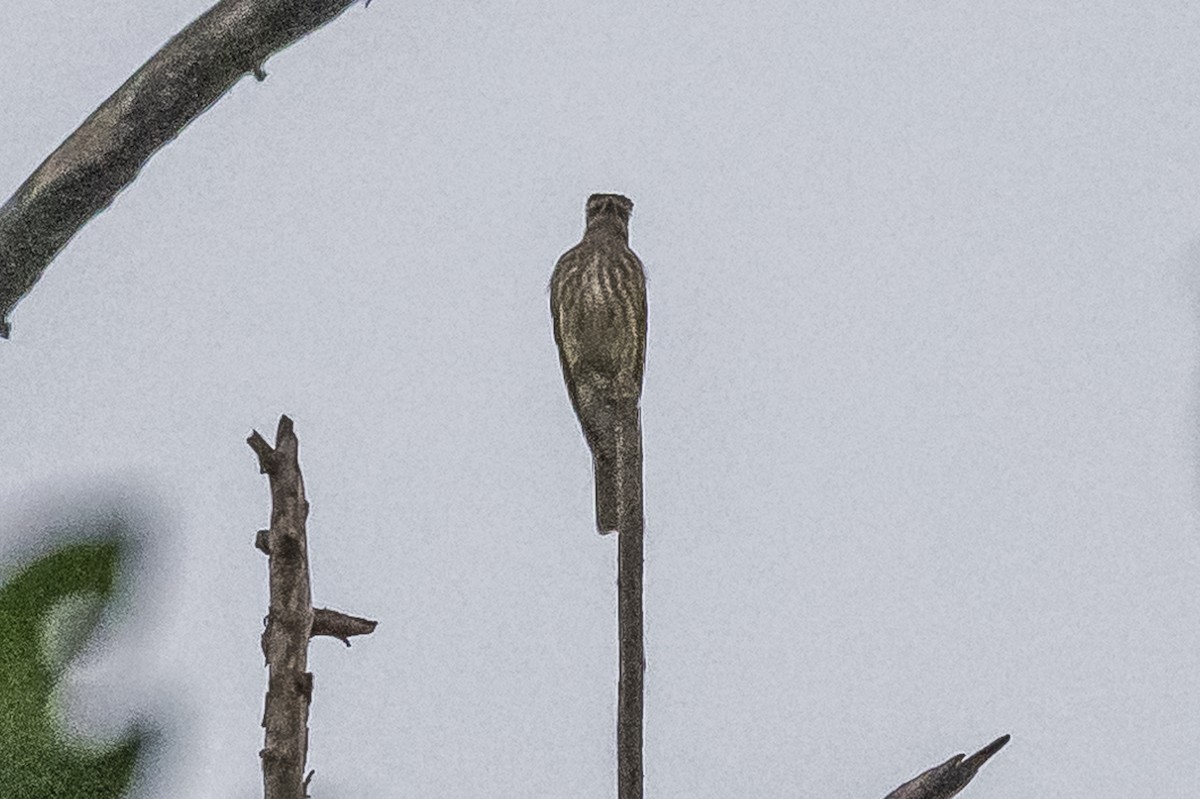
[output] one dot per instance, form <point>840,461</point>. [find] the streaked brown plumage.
<point>598,305</point>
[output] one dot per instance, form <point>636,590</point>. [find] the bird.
<point>598,309</point>
<point>946,780</point>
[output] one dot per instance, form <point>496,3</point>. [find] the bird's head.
<point>609,211</point>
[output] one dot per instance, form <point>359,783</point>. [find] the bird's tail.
<point>604,465</point>
<point>617,469</point>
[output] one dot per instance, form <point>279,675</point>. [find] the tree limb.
<point>946,780</point>
<point>285,641</point>
<point>632,667</point>
<point>340,625</point>
<point>292,621</point>
<point>103,155</point>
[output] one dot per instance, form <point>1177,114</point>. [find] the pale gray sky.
<point>920,401</point>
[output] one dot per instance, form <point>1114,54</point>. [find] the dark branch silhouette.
<point>105,153</point>
<point>630,687</point>
<point>947,779</point>
<point>291,621</point>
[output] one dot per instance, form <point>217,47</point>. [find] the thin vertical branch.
<point>291,619</point>
<point>630,529</point>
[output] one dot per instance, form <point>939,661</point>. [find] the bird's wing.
<point>567,340</point>
<point>641,341</point>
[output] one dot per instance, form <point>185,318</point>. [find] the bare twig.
<point>340,625</point>
<point>946,780</point>
<point>630,529</point>
<point>291,620</point>
<point>105,153</point>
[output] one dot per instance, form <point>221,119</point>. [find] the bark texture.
<point>291,619</point>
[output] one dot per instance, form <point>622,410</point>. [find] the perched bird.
<point>598,305</point>
<point>946,780</point>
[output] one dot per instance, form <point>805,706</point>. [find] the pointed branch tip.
<point>262,449</point>
<point>947,779</point>
<point>339,625</point>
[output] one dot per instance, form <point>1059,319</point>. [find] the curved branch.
<point>105,153</point>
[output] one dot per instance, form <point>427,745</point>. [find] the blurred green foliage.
<point>35,760</point>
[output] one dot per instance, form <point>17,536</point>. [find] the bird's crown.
<point>617,204</point>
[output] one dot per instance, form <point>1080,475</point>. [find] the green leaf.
<point>47,612</point>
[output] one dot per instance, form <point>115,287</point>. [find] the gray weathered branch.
<point>291,621</point>
<point>946,780</point>
<point>285,641</point>
<point>105,153</point>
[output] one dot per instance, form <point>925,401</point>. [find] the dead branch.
<point>291,621</point>
<point>340,625</point>
<point>946,780</point>
<point>105,153</point>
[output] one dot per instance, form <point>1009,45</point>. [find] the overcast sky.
<point>920,401</point>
